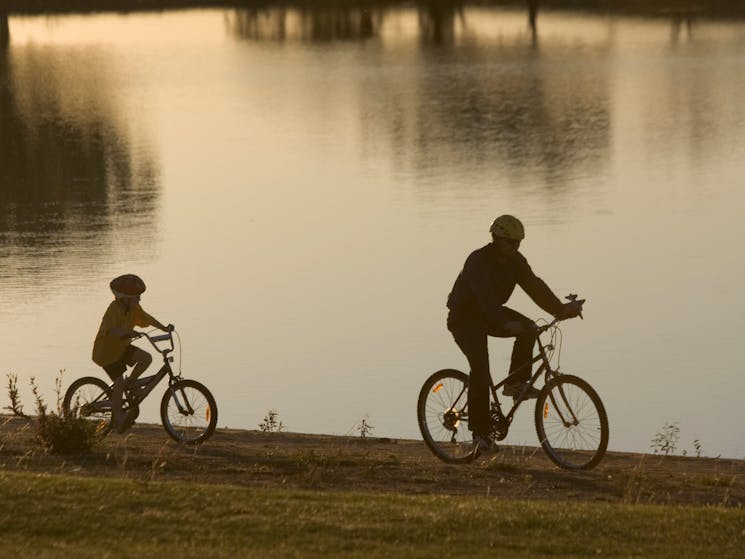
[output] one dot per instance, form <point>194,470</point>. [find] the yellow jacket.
<point>107,348</point>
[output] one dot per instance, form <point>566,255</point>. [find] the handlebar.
<point>160,338</point>
<point>572,297</point>
<point>168,336</point>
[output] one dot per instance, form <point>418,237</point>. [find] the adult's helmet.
<point>508,227</point>
<point>128,285</point>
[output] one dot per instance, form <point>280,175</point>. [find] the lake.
<point>299,189</point>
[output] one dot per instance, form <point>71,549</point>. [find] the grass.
<point>58,516</point>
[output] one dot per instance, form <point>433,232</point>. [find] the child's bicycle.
<point>187,409</point>
<point>570,419</point>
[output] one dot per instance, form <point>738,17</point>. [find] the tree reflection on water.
<point>437,20</point>
<point>70,177</point>
<point>317,24</point>
<point>4,29</point>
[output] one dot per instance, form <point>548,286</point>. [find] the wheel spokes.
<point>573,429</point>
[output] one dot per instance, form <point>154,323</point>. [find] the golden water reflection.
<point>315,181</point>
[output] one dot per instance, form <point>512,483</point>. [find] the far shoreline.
<point>646,8</point>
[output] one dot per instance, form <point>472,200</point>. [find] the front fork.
<point>179,396</point>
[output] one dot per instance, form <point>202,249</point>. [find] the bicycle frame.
<point>138,390</point>
<point>543,369</point>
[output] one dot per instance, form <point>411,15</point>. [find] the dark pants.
<point>470,334</point>
<point>117,368</point>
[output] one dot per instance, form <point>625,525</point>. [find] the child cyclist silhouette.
<point>112,349</point>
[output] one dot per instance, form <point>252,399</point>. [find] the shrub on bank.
<point>62,432</point>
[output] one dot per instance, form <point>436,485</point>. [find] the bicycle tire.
<point>571,423</point>
<point>443,421</point>
<point>188,412</point>
<point>80,398</point>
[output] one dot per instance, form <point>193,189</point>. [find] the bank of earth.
<point>335,463</point>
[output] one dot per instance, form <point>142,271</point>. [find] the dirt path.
<point>329,463</point>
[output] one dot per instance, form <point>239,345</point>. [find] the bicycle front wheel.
<point>90,397</point>
<point>442,413</point>
<point>571,423</point>
<point>188,412</point>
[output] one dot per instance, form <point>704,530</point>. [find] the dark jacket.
<point>485,284</point>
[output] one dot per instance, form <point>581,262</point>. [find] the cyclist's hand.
<point>571,309</point>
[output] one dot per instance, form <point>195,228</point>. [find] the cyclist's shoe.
<point>483,446</point>
<point>515,390</point>
<point>118,422</point>
<point>126,420</point>
<point>127,423</point>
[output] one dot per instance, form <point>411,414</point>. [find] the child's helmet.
<point>128,285</point>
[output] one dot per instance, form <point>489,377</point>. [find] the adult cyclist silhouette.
<point>476,310</point>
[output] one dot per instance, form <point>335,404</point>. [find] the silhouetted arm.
<point>538,291</point>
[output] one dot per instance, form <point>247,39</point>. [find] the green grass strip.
<point>56,516</point>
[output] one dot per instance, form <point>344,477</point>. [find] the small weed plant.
<point>697,447</point>
<point>271,423</point>
<point>666,439</point>
<point>364,428</point>
<point>15,407</point>
<point>60,432</point>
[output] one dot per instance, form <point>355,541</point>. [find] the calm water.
<point>300,189</point>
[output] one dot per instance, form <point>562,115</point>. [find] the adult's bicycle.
<point>570,419</point>
<point>188,409</point>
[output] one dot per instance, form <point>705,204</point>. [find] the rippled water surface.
<point>300,189</point>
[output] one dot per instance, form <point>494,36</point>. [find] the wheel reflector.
<point>545,410</point>
<point>436,388</point>
<point>207,414</point>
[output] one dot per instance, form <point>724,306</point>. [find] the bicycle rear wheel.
<point>188,412</point>
<point>90,397</point>
<point>442,413</point>
<point>571,423</point>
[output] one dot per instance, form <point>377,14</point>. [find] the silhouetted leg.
<point>116,372</point>
<point>522,351</point>
<point>472,342</point>
<point>140,360</point>
<point>521,364</point>
<point>117,392</point>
